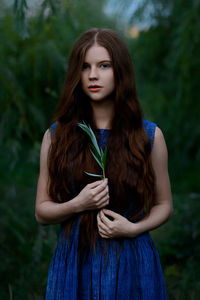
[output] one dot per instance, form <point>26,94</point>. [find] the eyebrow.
<point>106,60</point>
<point>100,62</point>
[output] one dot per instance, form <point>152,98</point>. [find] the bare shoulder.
<point>42,190</point>
<point>159,140</point>
<point>160,166</point>
<point>159,137</point>
<point>47,137</point>
<point>159,151</point>
<point>46,142</point>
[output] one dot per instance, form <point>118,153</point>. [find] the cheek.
<point>112,81</point>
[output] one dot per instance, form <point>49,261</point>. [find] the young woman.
<point>104,250</point>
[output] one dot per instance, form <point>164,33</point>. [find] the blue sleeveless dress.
<point>132,270</point>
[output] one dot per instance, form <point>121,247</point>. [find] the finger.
<point>101,197</point>
<point>104,236</point>
<point>104,193</point>
<point>100,187</point>
<point>101,214</point>
<point>104,219</point>
<point>101,226</point>
<point>104,204</point>
<point>98,219</point>
<point>95,184</point>
<point>111,214</point>
<point>103,201</point>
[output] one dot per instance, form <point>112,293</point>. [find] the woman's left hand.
<point>117,227</point>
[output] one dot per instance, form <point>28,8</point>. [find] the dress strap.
<point>150,128</point>
<point>52,128</point>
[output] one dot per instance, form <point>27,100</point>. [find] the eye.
<point>105,65</point>
<point>85,66</point>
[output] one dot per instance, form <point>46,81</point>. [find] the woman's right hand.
<point>94,195</point>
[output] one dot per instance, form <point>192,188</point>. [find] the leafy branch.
<point>97,152</point>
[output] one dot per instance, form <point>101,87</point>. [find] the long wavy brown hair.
<point>129,168</point>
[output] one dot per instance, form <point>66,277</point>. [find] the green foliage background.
<point>34,48</point>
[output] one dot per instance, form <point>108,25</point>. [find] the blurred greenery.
<point>35,44</point>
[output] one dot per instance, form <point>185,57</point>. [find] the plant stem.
<point>104,176</point>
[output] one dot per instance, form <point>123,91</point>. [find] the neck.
<point>103,114</point>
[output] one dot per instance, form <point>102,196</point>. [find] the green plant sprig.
<point>97,152</point>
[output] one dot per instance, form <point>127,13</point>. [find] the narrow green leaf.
<point>85,128</point>
<point>95,175</point>
<point>98,153</point>
<point>89,131</point>
<point>94,140</point>
<point>99,162</point>
<point>104,157</point>
<point>95,151</point>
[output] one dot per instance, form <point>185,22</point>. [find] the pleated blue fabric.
<point>132,270</point>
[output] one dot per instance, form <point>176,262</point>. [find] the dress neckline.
<point>103,129</point>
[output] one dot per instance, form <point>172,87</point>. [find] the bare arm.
<point>159,213</point>
<point>93,196</point>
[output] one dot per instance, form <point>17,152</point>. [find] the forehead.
<point>97,53</point>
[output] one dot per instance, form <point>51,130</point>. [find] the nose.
<point>93,73</point>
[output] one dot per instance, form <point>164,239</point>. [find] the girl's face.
<point>97,78</point>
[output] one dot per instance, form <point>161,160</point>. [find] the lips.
<point>94,88</point>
